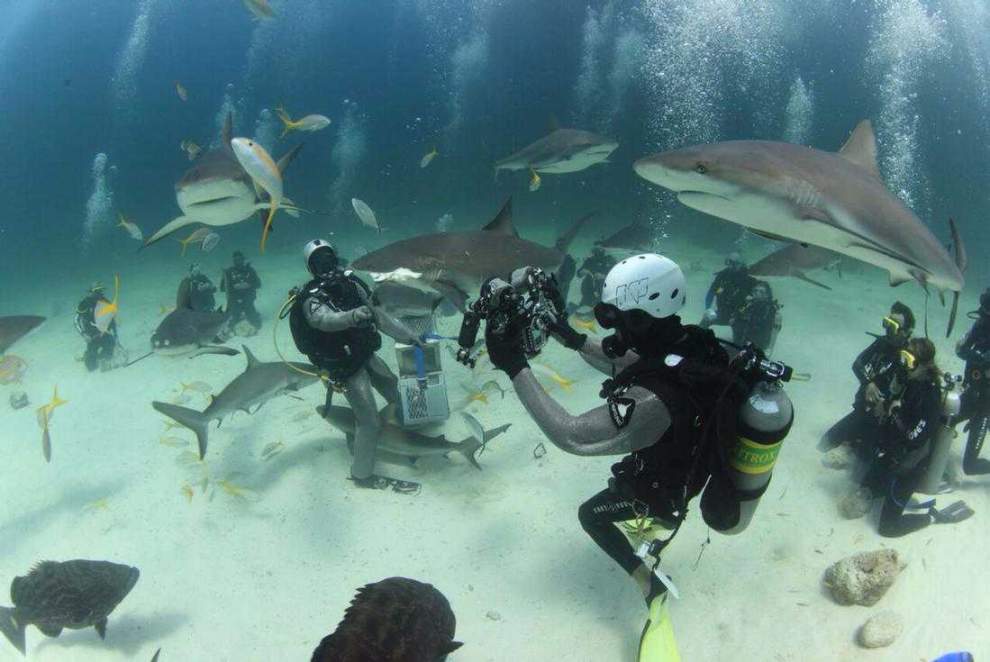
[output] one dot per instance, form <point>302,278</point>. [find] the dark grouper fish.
<point>71,594</point>
<point>394,620</point>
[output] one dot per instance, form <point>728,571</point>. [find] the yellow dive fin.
<point>657,643</point>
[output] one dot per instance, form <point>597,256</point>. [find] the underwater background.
<point>91,126</point>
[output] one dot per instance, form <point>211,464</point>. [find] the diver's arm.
<point>255,279</point>
<point>324,318</point>
<point>859,365</point>
<point>594,432</point>
<point>393,328</point>
<point>593,355</point>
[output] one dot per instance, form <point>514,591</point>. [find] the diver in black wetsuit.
<point>727,292</point>
<point>592,273</point>
<point>671,400</point>
<point>241,283</point>
<point>974,349</point>
<point>335,323</point>
<point>100,346</point>
<point>874,368</point>
<point>196,291</point>
<point>906,437</point>
<point>758,319</point>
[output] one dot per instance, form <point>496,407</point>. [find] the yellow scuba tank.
<point>944,434</point>
<point>764,420</point>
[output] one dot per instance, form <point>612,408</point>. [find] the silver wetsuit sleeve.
<point>324,318</point>
<point>593,355</point>
<point>594,432</point>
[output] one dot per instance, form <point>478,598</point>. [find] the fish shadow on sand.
<point>128,634</point>
<point>70,502</point>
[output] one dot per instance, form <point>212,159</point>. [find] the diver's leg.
<point>367,427</point>
<point>893,522</point>
<point>849,429</point>
<point>383,379</point>
<point>598,516</point>
<point>252,314</point>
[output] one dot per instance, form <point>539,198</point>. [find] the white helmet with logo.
<point>649,282</point>
<point>311,248</point>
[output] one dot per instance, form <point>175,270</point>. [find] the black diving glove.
<point>505,351</point>
<point>567,335</point>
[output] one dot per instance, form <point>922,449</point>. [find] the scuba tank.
<point>946,432</point>
<point>764,420</point>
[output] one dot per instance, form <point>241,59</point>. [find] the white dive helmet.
<point>311,248</point>
<point>648,282</point>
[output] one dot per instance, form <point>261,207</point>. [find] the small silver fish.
<point>202,387</point>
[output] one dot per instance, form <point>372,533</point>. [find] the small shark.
<point>259,383</point>
<point>560,151</point>
<point>794,260</point>
<point>15,327</point>
<point>187,332</point>
<point>455,263</point>
<point>799,194</point>
<point>406,443</point>
<point>216,190</point>
<point>634,237</point>
<point>403,301</point>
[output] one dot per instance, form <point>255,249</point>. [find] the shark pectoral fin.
<point>801,276</point>
<point>214,349</point>
<point>168,229</point>
<point>771,236</point>
<point>289,207</point>
<point>452,293</point>
<point>897,279</point>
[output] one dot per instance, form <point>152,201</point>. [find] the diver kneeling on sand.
<point>681,413</point>
<point>909,427</point>
<point>101,345</point>
<point>335,323</point>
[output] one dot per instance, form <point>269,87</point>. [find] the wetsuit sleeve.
<point>593,355</point>
<point>254,279</point>
<point>324,318</point>
<point>712,289</point>
<point>912,425</point>
<point>594,432</point>
<point>864,358</point>
<point>182,294</point>
<point>966,349</point>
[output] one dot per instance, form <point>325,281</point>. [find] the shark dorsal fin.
<point>287,157</point>
<point>252,360</point>
<point>861,148</point>
<point>227,131</point>
<point>553,124</point>
<point>502,223</point>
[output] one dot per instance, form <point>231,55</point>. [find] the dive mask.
<point>907,359</point>
<point>890,325</point>
<point>609,316</point>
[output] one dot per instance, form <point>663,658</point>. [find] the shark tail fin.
<point>564,243</point>
<point>286,121</point>
<point>189,418</point>
<point>12,629</point>
<point>470,446</point>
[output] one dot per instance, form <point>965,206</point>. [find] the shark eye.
<point>700,169</point>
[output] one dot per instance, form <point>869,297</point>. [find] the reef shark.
<point>794,260</point>
<point>405,443</point>
<point>187,332</point>
<point>560,151</point>
<point>795,193</point>
<point>455,263</point>
<point>259,383</point>
<point>217,191</point>
<point>15,327</point>
<point>635,236</point>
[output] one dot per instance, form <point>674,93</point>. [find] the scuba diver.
<point>875,368</point>
<point>906,437</point>
<point>241,283</point>
<point>758,319</point>
<point>592,273</point>
<point>974,349</point>
<point>196,291</point>
<point>727,292</point>
<point>336,324</point>
<point>100,346</point>
<point>674,405</point>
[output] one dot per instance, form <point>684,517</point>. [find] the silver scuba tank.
<point>938,460</point>
<point>764,420</point>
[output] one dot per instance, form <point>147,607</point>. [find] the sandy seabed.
<point>231,579</point>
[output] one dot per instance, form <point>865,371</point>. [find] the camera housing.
<point>529,304</point>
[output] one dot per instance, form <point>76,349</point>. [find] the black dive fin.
<point>953,513</point>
